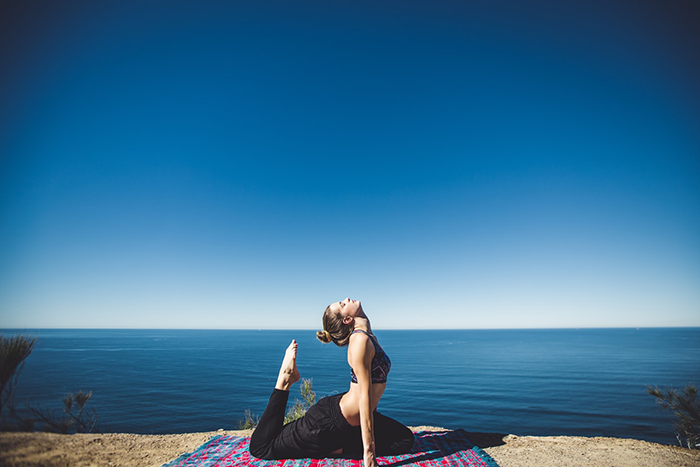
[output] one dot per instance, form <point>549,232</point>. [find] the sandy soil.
<point>122,449</point>
<point>551,451</point>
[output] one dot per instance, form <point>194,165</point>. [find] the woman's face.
<point>348,308</point>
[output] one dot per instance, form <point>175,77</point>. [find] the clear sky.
<point>241,164</point>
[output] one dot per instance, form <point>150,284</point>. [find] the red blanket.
<point>432,449</point>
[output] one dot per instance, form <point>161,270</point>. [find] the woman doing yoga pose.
<point>343,425</point>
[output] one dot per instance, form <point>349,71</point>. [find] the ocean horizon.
<point>535,328</point>
<point>564,381</point>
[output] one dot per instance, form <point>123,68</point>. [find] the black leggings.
<point>322,431</point>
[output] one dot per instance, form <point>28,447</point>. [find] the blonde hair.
<point>334,330</point>
<point>324,336</point>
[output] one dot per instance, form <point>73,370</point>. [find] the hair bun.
<point>324,336</point>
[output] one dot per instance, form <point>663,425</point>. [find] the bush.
<point>13,352</point>
<point>308,396</point>
<point>80,421</point>
<point>686,407</point>
<point>297,410</point>
<point>249,421</point>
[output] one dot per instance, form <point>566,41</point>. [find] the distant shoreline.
<point>125,449</point>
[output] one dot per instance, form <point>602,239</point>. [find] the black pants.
<point>322,431</point>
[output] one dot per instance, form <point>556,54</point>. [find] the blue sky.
<point>241,164</point>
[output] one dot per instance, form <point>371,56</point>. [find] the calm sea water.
<point>588,382</point>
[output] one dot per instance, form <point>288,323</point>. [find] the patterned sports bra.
<point>381,364</point>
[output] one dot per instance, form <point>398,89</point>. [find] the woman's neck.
<point>362,324</point>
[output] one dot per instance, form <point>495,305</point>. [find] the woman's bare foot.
<point>288,371</point>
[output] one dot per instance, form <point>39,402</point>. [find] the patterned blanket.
<point>432,449</point>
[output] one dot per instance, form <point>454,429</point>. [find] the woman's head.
<point>339,321</point>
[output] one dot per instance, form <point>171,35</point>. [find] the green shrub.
<point>299,408</point>
<point>249,421</point>
<point>686,407</point>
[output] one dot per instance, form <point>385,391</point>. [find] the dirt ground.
<point>123,449</point>
<point>551,451</point>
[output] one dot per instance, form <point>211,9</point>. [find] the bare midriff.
<point>350,402</point>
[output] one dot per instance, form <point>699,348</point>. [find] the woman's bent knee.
<point>407,443</point>
<point>258,450</point>
<point>404,443</point>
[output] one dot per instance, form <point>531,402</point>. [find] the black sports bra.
<point>381,364</point>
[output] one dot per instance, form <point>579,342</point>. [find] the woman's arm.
<point>361,354</point>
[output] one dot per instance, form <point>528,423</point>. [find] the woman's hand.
<point>369,458</point>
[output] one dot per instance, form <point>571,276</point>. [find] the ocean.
<point>588,382</point>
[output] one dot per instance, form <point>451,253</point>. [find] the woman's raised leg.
<point>272,420</point>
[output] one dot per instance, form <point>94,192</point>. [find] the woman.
<point>345,425</point>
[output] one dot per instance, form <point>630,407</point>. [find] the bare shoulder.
<point>360,340</point>
<point>360,345</point>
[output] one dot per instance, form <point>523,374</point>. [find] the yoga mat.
<point>431,449</point>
